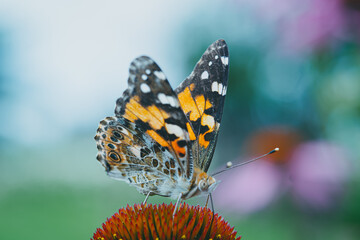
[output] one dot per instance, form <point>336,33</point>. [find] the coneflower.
<point>157,222</point>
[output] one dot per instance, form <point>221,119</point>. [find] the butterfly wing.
<point>202,97</point>
<point>152,105</point>
<point>131,155</point>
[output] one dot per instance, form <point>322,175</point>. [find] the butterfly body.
<point>162,140</point>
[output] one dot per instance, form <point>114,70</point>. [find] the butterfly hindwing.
<point>202,97</point>
<point>131,155</point>
<point>151,104</point>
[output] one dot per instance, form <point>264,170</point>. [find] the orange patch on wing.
<point>177,148</point>
<point>157,138</point>
<point>158,113</point>
<point>202,141</point>
<point>190,131</point>
<point>200,102</point>
<point>206,120</point>
<point>208,104</point>
<point>129,116</point>
<point>144,114</point>
<point>188,104</point>
<point>192,87</point>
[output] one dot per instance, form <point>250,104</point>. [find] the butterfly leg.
<point>146,198</point>
<point>177,203</point>
<point>212,203</point>
<point>207,201</point>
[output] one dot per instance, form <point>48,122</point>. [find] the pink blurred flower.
<point>315,23</point>
<point>302,25</point>
<point>249,188</point>
<point>318,171</point>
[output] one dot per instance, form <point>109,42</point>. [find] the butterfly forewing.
<point>202,97</point>
<point>150,103</point>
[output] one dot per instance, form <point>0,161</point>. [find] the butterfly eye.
<point>203,186</point>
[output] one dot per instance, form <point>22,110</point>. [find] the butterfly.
<point>161,140</point>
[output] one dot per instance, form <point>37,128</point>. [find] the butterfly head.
<point>205,183</point>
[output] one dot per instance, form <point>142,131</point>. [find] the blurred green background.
<point>294,83</point>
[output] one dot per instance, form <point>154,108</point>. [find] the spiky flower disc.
<point>157,222</point>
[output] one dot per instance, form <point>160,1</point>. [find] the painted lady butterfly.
<point>161,140</point>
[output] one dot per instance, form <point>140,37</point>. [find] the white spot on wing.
<point>145,88</point>
<point>214,87</point>
<point>160,75</point>
<point>208,120</point>
<point>174,129</point>
<point>220,88</point>
<point>205,75</point>
<point>135,151</point>
<point>210,63</point>
<point>147,71</point>
<point>225,60</point>
<point>144,77</point>
<point>172,101</point>
<point>224,91</point>
<point>216,56</point>
<point>163,99</point>
<point>126,132</point>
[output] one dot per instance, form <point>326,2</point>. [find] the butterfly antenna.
<point>230,166</point>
